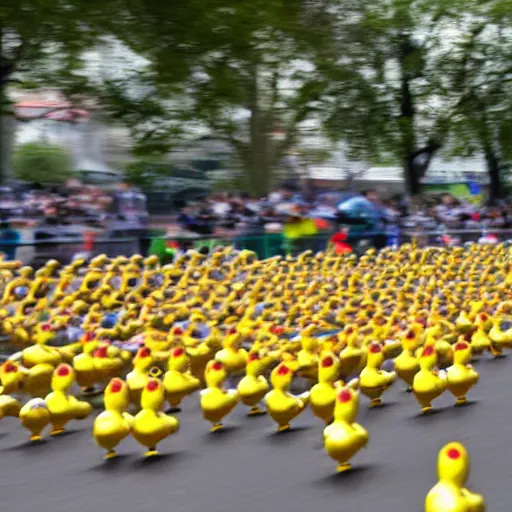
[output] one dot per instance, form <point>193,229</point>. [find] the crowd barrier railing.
<point>34,252</point>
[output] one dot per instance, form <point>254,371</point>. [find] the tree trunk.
<point>493,168</point>
<point>258,158</point>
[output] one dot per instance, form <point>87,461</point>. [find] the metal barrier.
<point>36,252</point>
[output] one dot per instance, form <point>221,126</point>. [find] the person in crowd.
<point>9,239</point>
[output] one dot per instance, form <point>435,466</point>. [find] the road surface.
<point>248,468</point>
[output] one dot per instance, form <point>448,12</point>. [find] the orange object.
<point>89,240</point>
<point>321,224</point>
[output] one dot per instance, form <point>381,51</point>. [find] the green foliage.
<point>392,79</point>
<point>42,163</point>
<point>220,65</point>
<point>145,173</point>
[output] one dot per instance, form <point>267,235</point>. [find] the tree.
<point>42,163</point>
<point>476,68</point>
<point>42,42</point>
<point>239,79</point>
<point>384,100</point>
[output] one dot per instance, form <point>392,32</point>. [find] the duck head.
<point>233,340</point>
<point>453,464</point>
<point>11,376</point>
<point>256,363</point>
<point>328,367</point>
<point>462,352</point>
<point>143,359</point>
<point>308,343</point>
<point>153,395</point>
<point>178,360</point>
<point>151,261</point>
<point>483,322</point>
<point>43,334</point>
<point>89,343</point>
<point>102,351</point>
<point>281,376</point>
<point>346,405</point>
<point>26,272</point>
<point>117,396</point>
<point>215,374</point>
<point>428,357</point>
<point>63,377</point>
<point>375,355</point>
<point>410,340</point>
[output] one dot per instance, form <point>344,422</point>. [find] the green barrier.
<point>265,246</point>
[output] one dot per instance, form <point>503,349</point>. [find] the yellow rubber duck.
<point>449,494</point>
<point>137,379</point>
<point>114,423</point>
<point>253,387</point>
<point>40,353</point>
<point>373,381</point>
<point>307,357</point>
<point>461,376</point>
<point>9,407</point>
<point>429,383</point>
<point>406,364</point>
<point>107,363</point>
<point>282,406</point>
<point>480,341</point>
<point>86,375</point>
<point>35,381</point>
<point>178,382</point>
<point>232,356</point>
<point>343,438</point>
<point>200,353</point>
<point>35,417</point>
<point>217,402</point>
<point>353,356</point>
<point>499,339</point>
<point>151,425</point>
<point>62,406</point>
<point>11,377</point>
<point>463,324</point>
<point>323,394</point>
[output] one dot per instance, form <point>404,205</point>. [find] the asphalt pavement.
<point>248,468</point>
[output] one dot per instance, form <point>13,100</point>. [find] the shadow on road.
<point>383,405</point>
<point>159,460</point>
<point>354,474</point>
<point>287,436</point>
<point>110,465</point>
<point>29,446</point>
<point>225,434</point>
<point>429,416</point>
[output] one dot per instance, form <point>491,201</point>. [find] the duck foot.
<point>462,400</point>
<point>426,410</point>
<point>344,467</point>
<point>35,438</point>
<point>152,452</point>
<point>57,431</point>
<point>283,428</point>
<point>256,411</point>
<point>217,427</point>
<point>376,402</point>
<point>110,455</point>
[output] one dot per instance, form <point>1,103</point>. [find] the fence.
<point>36,252</point>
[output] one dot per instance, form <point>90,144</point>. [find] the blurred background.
<point>226,120</point>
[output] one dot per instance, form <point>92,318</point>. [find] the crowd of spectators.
<point>225,214</point>
<point>73,202</point>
